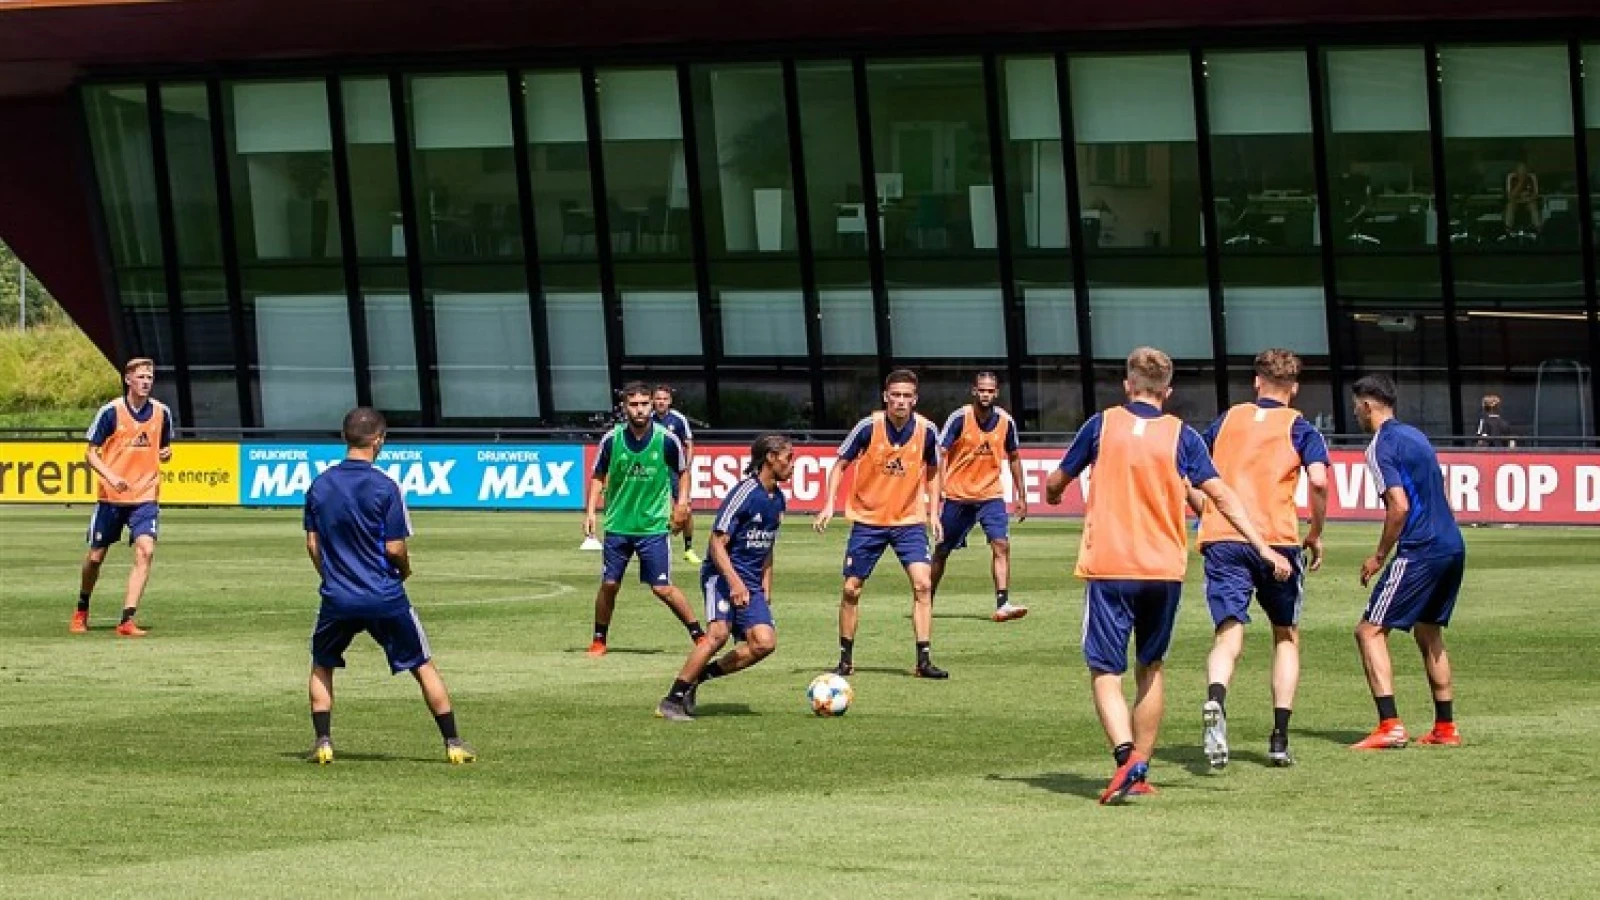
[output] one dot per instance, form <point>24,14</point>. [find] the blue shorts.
<point>1115,610</point>
<point>398,631</point>
<point>867,543</point>
<point>653,550</point>
<point>1416,589</point>
<point>1235,570</point>
<point>108,520</point>
<point>720,609</point>
<point>959,516</point>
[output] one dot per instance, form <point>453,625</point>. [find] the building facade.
<point>464,239</point>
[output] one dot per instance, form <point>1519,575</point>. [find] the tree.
<point>42,307</point>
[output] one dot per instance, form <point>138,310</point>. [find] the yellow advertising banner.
<point>55,472</point>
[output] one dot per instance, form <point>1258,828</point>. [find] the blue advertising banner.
<point>438,476</point>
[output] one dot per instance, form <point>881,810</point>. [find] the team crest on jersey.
<point>895,468</point>
<point>140,440</point>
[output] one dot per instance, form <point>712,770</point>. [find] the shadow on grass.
<point>1059,783</point>
<point>863,670</point>
<point>627,651</point>
<point>972,616</point>
<point>1195,762</point>
<point>341,756</point>
<point>717,710</point>
<point>1343,737</point>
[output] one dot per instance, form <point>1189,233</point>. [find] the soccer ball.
<point>830,695</point>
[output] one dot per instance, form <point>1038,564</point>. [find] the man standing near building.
<point>635,468</point>
<point>678,423</point>
<point>356,529</point>
<point>894,502</point>
<point>975,438</point>
<point>1259,449</point>
<point>738,576</point>
<point>1417,591</point>
<point>1134,552</point>
<point>129,440</point>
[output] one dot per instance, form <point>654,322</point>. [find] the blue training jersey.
<point>750,516</point>
<point>1400,456</point>
<point>675,422</point>
<point>354,508</point>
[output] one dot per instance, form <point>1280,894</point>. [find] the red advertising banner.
<point>1501,487</point>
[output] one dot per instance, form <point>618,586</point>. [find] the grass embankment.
<point>51,376</point>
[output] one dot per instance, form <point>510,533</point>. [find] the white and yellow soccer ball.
<point>830,695</point>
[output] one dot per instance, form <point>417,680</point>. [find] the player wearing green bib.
<point>635,469</point>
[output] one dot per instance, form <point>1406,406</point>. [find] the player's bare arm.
<point>1317,489</point>
<point>1055,486</point>
<point>935,487</point>
<point>1227,503</point>
<point>738,591</point>
<point>399,557</point>
<point>1019,486</point>
<point>1197,500</point>
<point>766,576</point>
<point>1396,508</point>
<point>92,457</point>
<point>835,475</point>
<point>597,486</point>
<point>314,550</point>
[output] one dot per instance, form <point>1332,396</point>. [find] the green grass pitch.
<point>171,766</point>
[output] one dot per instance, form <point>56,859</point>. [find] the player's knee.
<point>762,642</point>
<point>143,552</point>
<point>96,556</point>
<point>666,593</point>
<point>1286,634</point>
<point>1001,547</point>
<point>852,592</point>
<point>922,589</point>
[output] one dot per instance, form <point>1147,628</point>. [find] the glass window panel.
<point>1053,391</point>
<point>282,171</point>
<point>579,376</point>
<point>641,129</point>
<point>303,348</point>
<point>374,179</point>
<point>648,205</point>
<point>143,296</point>
<point>380,242</point>
<point>208,332</point>
<point>1036,173</point>
<point>558,154</point>
<point>186,123</point>
<point>1138,175</point>
<point>746,182</point>
<point>391,347</point>
<point>486,364</point>
<point>564,212</point>
<point>1267,215</point>
<point>1511,171</point>
<point>286,215</point>
<point>768,398</point>
<point>832,152</point>
<point>119,131</point>
<point>1387,290</point>
<point>471,238</point>
<point>935,192</point>
<point>464,173</point>
<point>207,324</point>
